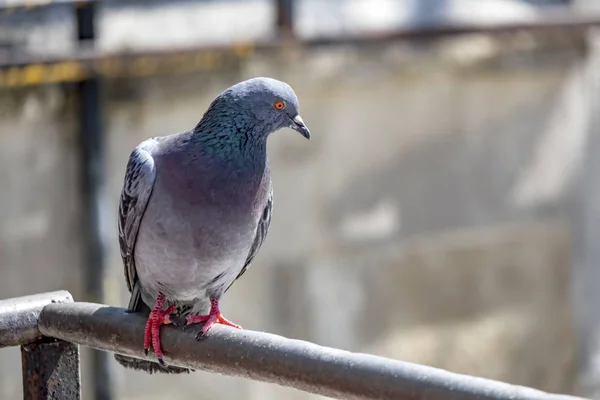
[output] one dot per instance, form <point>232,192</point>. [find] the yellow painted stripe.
<point>122,67</point>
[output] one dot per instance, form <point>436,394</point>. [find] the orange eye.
<point>279,105</point>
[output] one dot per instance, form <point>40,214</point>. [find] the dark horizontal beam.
<point>19,317</point>
<point>28,70</point>
<point>270,358</point>
<point>25,70</point>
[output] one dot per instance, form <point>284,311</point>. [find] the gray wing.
<point>137,188</point>
<point>261,233</point>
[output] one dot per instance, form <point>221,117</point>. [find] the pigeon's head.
<point>269,104</point>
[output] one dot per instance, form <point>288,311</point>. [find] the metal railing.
<point>50,366</point>
<point>49,327</point>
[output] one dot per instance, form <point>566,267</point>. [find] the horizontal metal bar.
<point>270,358</point>
<point>19,316</point>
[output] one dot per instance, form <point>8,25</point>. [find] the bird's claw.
<point>178,320</point>
<point>213,317</point>
<point>201,335</point>
<point>157,317</point>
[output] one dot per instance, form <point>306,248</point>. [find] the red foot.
<point>213,317</point>
<point>157,318</point>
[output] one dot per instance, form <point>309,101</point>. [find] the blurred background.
<point>446,211</point>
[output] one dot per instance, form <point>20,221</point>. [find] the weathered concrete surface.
<point>413,224</point>
<point>39,209</point>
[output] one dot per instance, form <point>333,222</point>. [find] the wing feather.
<point>137,188</point>
<point>261,234</point>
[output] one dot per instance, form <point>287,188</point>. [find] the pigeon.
<point>195,209</point>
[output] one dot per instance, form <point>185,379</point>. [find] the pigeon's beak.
<point>298,125</point>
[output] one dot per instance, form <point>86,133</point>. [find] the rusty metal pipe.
<point>270,358</point>
<point>19,316</point>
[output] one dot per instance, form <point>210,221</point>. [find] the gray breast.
<point>193,242</point>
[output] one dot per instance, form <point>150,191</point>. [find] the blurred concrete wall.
<point>428,220</point>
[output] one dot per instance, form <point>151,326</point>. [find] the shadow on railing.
<point>50,326</point>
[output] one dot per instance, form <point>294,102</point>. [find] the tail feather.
<point>138,306</point>
<point>149,366</point>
